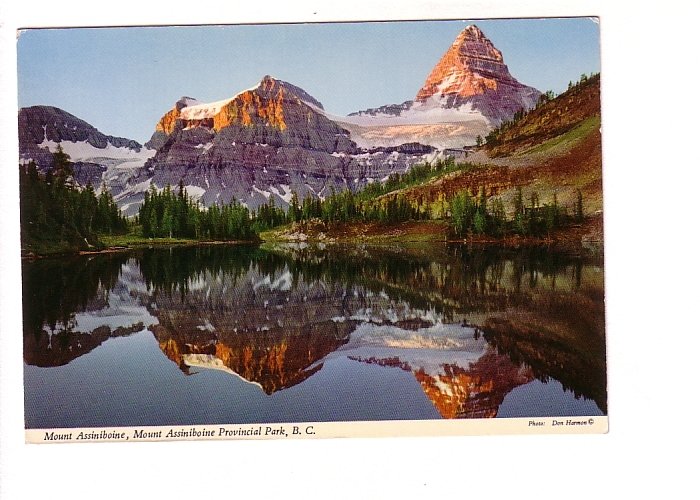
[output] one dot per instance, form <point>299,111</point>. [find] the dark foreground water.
<point>236,334</point>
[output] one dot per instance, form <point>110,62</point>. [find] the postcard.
<point>313,230</point>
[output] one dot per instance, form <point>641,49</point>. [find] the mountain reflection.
<point>461,374</point>
<point>469,325</point>
<point>273,359</point>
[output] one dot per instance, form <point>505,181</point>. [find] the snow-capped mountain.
<point>468,92</point>
<point>274,139</point>
<point>265,142</point>
<point>97,157</point>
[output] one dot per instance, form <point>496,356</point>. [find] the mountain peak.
<point>185,101</point>
<point>471,32</point>
<point>268,82</point>
<point>472,66</point>
<point>269,85</point>
<point>472,44</point>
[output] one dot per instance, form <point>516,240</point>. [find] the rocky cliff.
<point>472,73</point>
<point>270,141</point>
<point>263,143</point>
<point>467,93</point>
<point>97,157</point>
<point>41,124</point>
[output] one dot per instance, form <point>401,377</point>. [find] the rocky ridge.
<point>468,92</point>
<point>472,71</point>
<point>97,157</point>
<point>263,143</point>
<point>270,141</point>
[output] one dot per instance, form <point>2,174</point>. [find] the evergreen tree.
<point>518,205</point>
<point>56,213</point>
<point>499,217</point>
<point>295,212</point>
<point>62,166</point>
<point>479,223</point>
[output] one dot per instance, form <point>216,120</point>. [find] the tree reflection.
<point>53,290</point>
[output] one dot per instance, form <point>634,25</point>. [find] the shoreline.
<point>165,243</point>
<point>580,237</point>
<point>584,237</point>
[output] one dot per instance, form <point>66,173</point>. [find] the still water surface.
<point>238,334</point>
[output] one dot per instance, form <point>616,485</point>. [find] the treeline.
<point>493,138</point>
<point>167,214</point>
<point>418,174</point>
<point>344,206</point>
<point>471,215</point>
<point>467,214</point>
<point>55,212</point>
<point>54,209</point>
<point>365,205</point>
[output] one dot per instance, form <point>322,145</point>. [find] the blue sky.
<point>122,80</point>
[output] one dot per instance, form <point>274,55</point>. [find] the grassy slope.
<point>553,119</point>
<point>35,247</point>
<point>579,132</point>
<point>554,149</point>
<point>134,239</point>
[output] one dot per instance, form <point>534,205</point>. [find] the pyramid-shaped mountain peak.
<point>472,31</point>
<point>471,66</point>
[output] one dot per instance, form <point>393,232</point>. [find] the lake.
<point>292,333</point>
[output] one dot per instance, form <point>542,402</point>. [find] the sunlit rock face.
<point>467,93</point>
<point>472,72</point>
<point>262,144</point>
<point>472,65</point>
<point>262,113</point>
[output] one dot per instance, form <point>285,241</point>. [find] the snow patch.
<point>209,109</point>
<point>266,194</point>
<point>286,193</point>
<point>211,362</point>
<point>207,326</point>
<point>195,192</point>
<point>86,152</point>
<point>202,111</point>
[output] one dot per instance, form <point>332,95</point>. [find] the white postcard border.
<point>324,430</point>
